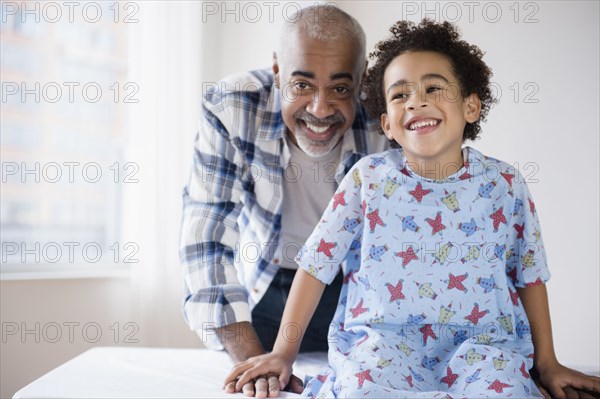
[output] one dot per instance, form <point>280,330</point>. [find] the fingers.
<point>284,378</point>
<point>230,387</point>
<point>570,393</point>
<point>557,392</point>
<point>590,383</point>
<point>262,387</point>
<point>232,377</point>
<point>274,386</point>
<point>252,374</point>
<point>545,393</point>
<point>584,382</point>
<point>295,385</point>
<point>588,395</point>
<point>248,388</point>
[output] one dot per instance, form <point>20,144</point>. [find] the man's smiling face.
<point>319,83</point>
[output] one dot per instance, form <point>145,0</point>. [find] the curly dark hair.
<point>443,38</point>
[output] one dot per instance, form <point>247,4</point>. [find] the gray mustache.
<point>330,120</point>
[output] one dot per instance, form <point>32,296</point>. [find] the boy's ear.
<point>385,125</point>
<point>472,106</point>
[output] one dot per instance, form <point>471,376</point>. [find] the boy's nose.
<point>416,101</point>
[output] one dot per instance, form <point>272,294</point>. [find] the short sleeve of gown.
<point>526,256</point>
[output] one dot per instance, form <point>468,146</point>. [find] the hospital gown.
<point>429,306</point>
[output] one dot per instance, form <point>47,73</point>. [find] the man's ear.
<point>472,106</point>
<point>275,70</point>
<point>385,125</point>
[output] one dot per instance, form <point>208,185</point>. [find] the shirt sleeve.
<point>209,233</point>
<point>526,255</point>
<point>338,232</point>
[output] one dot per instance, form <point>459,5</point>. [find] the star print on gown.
<point>498,217</point>
<point>364,376</point>
<point>418,193</point>
<point>498,386</point>
<point>407,256</point>
<point>375,220</point>
<point>429,279</point>
<point>326,247</point>
<point>457,281</point>
<point>359,309</point>
<point>436,224</point>
<point>338,199</point>
<point>450,377</point>
<point>475,314</point>
<point>395,291</point>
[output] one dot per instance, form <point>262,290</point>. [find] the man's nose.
<point>319,106</point>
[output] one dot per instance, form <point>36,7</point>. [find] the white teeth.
<point>422,123</point>
<point>317,129</point>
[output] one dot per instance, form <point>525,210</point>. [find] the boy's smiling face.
<point>426,113</point>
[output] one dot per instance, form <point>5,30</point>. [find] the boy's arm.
<point>303,299</point>
<point>535,302</point>
<point>553,376</point>
<point>305,293</point>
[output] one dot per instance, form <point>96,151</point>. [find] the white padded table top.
<point>127,372</point>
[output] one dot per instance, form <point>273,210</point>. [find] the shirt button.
<point>275,261</point>
<point>255,290</point>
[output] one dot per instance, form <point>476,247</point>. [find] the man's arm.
<point>240,341</point>
<point>209,234</point>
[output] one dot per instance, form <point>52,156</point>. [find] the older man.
<point>272,147</point>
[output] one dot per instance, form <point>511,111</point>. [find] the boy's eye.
<point>399,96</point>
<point>433,89</point>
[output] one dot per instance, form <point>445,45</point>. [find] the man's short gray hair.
<point>323,22</point>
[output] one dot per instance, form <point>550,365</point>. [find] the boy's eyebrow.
<point>333,76</point>
<point>428,76</point>
<point>434,76</point>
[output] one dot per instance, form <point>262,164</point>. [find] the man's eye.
<point>433,89</point>
<point>301,85</point>
<point>341,90</point>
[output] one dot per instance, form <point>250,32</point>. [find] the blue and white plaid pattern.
<point>232,203</point>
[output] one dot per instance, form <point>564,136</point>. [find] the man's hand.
<point>263,387</point>
<point>560,382</point>
<point>241,343</point>
<point>270,373</point>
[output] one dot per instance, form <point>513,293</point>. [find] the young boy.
<point>444,262</point>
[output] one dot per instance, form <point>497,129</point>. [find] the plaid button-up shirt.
<point>232,203</point>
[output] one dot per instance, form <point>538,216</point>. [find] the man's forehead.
<point>311,58</point>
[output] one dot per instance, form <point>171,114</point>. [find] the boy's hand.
<point>560,382</point>
<point>262,376</point>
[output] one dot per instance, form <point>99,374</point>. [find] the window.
<point>63,72</point>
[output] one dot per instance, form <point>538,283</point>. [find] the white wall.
<point>554,61</point>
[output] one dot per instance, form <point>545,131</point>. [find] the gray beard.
<point>316,148</point>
